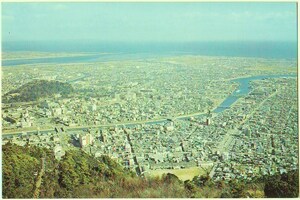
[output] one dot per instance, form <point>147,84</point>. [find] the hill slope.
<point>37,89</point>
<point>79,175</point>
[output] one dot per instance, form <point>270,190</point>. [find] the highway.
<point>126,124</point>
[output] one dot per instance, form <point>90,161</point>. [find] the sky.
<point>149,22</point>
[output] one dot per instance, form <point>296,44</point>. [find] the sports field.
<point>182,174</point>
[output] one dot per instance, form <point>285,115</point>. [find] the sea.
<point>143,50</point>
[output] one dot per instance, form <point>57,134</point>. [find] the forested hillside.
<point>80,175</point>
<point>37,89</point>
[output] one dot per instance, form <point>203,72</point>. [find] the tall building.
<point>103,137</point>
<point>208,118</point>
<point>208,121</point>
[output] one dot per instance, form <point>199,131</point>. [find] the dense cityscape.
<point>156,114</point>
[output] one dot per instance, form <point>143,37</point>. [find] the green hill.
<point>37,89</point>
<point>79,175</point>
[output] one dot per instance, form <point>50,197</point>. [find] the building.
<point>103,137</point>
<point>86,140</point>
<point>208,121</point>
<point>127,147</point>
<point>58,152</point>
<point>56,112</point>
<point>10,119</point>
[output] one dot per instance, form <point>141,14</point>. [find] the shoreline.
<point>141,56</point>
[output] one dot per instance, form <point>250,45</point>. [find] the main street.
<point>78,128</point>
<point>228,140</point>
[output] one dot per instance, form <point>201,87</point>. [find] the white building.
<point>86,140</point>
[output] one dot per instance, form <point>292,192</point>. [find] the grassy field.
<point>182,174</point>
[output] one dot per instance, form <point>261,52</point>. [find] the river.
<point>242,90</point>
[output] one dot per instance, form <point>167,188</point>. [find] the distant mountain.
<point>37,89</point>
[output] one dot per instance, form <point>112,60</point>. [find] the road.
<point>213,171</point>
<point>259,105</point>
<point>39,181</point>
<point>227,142</point>
<point>137,167</point>
<point>132,123</point>
<point>229,137</point>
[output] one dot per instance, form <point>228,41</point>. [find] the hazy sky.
<point>145,22</point>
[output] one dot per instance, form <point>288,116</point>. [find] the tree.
<point>200,181</point>
<point>283,186</point>
<point>190,188</point>
<point>170,178</point>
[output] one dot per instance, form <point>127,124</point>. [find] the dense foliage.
<point>79,175</point>
<point>37,89</point>
<point>285,185</point>
<point>19,167</point>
